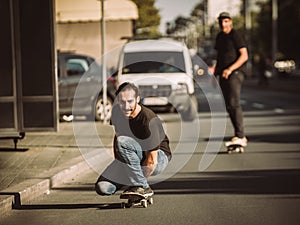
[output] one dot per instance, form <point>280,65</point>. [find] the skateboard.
<point>234,148</point>
<point>135,200</point>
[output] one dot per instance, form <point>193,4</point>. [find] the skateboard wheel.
<point>229,151</point>
<point>144,203</point>
<point>235,150</point>
<point>129,204</point>
<point>150,201</point>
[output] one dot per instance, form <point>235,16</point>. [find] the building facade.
<point>78,25</point>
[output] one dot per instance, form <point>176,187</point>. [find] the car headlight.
<point>285,65</point>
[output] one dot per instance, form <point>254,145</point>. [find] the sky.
<point>171,9</point>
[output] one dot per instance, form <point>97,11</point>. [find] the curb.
<point>25,192</point>
<point>5,204</point>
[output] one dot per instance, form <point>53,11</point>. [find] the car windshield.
<point>153,62</point>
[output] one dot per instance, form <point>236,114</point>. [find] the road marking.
<point>258,105</point>
<point>279,110</point>
<point>243,102</point>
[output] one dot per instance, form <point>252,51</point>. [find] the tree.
<point>288,23</point>
<point>149,18</point>
<point>180,23</point>
<point>262,29</point>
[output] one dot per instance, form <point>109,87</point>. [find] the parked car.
<point>162,69</point>
<point>285,67</point>
<point>80,87</point>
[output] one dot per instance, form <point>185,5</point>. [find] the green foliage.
<point>180,23</point>
<point>239,23</point>
<point>198,10</point>
<point>149,18</point>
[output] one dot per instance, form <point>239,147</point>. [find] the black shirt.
<point>228,46</point>
<point>146,128</point>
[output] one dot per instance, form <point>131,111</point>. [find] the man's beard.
<point>128,113</point>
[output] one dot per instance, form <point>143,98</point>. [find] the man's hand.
<point>226,73</point>
<point>237,64</point>
<point>150,163</point>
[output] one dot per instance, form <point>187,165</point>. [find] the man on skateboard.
<point>141,147</point>
<point>230,68</point>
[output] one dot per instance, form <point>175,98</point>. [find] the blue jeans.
<point>126,169</point>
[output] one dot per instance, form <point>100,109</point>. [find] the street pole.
<point>248,24</point>
<point>103,61</point>
<point>274,33</point>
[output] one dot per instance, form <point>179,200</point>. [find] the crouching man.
<point>141,147</point>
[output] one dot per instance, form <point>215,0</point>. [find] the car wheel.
<point>100,109</point>
<point>191,113</point>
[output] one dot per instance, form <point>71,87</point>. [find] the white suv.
<point>162,69</point>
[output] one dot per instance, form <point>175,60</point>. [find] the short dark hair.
<point>127,86</point>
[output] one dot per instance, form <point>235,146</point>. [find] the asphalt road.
<point>203,184</point>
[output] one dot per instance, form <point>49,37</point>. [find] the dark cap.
<point>224,15</point>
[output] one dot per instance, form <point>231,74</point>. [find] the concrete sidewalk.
<point>43,160</point>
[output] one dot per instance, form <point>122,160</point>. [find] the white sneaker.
<point>147,192</point>
<point>237,141</point>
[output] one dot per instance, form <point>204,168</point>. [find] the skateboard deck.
<point>234,148</point>
<point>134,199</point>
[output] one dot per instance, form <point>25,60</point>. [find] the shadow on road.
<point>282,137</point>
<point>12,149</point>
<point>70,206</point>
<point>271,137</point>
<point>284,182</point>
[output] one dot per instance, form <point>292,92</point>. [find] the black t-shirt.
<point>146,128</point>
<point>227,46</point>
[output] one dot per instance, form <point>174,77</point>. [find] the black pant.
<point>231,89</point>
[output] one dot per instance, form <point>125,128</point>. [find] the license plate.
<point>155,101</point>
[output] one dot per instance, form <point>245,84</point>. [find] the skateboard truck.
<point>136,200</point>
<point>235,149</point>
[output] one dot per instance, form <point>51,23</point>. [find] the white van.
<point>162,69</point>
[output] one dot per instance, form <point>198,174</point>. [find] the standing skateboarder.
<point>231,58</point>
